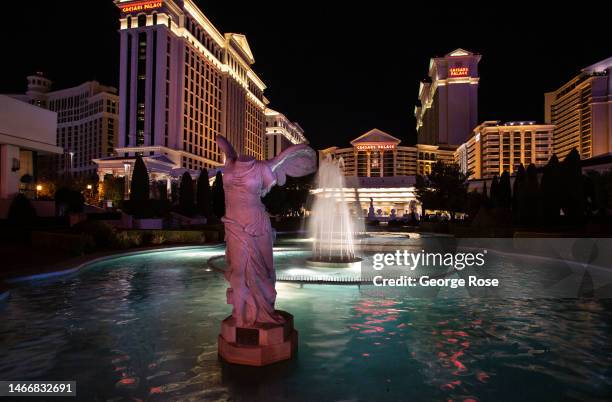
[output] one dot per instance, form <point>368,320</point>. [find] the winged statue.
<point>248,233</point>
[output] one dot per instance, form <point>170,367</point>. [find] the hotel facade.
<point>447,110</point>
<point>87,122</point>
<point>581,111</point>
<point>376,166</point>
<point>26,132</point>
<point>182,83</point>
<point>495,147</point>
<point>281,133</point>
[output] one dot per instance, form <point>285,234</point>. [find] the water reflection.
<point>145,328</point>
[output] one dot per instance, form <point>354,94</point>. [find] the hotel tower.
<point>87,120</point>
<point>448,100</point>
<point>181,84</point>
<point>581,111</point>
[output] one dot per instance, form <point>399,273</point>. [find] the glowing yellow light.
<point>458,71</point>
<point>141,6</point>
<point>38,187</point>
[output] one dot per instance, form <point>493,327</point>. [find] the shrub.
<point>158,238</point>
<point>141,209</point>
<point>21,212</point>
<point>102,234</point>
<point>127,239</point>
<point>69,200</point>
<point>74,244</point>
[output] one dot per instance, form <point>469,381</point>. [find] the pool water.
<point>145,328</point>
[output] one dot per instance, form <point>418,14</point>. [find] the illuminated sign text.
<point>374,147</point>
<point>141,6</point>
<point>458,71</point>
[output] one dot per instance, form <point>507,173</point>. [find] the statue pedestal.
<point>259,345</point>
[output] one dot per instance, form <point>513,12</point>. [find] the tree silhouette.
<point>517,188</point>
<point>218,196</point>
<point>573,202</point>
<point>529,199</point>
<point>486,201</point>
<point>186,194</point>
<point>504,192</point>
<point>551,191</point>
<point>139,190</point>
<point>445,188</point>
<point>494,191</point>
<point>599,191</point>
<point>203,194</point>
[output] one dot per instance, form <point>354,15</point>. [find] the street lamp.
<point>89,193</point>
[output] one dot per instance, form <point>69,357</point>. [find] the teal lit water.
<point>145,328</point>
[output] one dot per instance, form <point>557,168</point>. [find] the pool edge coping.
<point>65,270</point>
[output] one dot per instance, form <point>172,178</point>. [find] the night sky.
<point>338,71</point>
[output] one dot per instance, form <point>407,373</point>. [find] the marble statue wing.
<point>227,148</point>
<point>295,161</point>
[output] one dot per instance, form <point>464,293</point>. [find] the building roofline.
<point>393,139</point>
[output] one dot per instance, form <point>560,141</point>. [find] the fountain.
<point>331,225</point>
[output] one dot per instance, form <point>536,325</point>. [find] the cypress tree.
<point>218,196</point>
<point>573,198</point>
<point>504,192</point>
<point>530,197</point>
<point>494,191</point>
<point>203,194</point>
<point>517,187</point>
<point>186,194</point>
<point>485,195</point>
<point>163,191</point>
<point>139,190</point>
<point>551,190</point>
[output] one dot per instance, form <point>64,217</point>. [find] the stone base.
<point>259,345</point>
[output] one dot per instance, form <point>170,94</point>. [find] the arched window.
<point>142,20</point>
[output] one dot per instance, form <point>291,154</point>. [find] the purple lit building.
<point>448,100</point>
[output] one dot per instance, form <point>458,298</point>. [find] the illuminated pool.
<point>145,328</point>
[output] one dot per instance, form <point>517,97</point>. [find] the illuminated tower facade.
<point>448,100</point>
<point>182,83</point>
<point>581,111</point>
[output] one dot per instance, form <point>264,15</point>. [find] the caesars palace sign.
<point>140,6</point>
<point>375,147</point>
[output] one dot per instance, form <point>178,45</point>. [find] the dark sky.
<point>338,70</point>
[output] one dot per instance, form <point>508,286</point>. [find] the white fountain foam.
<point>331,226</point>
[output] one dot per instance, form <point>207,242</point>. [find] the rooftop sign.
<point>140,6</point>
<point>458,71</point>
